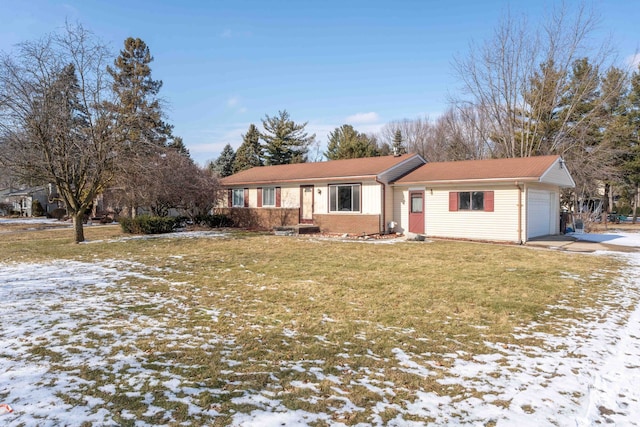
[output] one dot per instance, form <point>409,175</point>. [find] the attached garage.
<point>510,200</point>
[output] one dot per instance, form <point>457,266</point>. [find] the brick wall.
<point>266,218</point>
<point>352,224</point>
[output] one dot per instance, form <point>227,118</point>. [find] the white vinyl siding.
<point>290,196</point>
<point>371,198</point>
<point>499,225</point>
<point>557,174</point>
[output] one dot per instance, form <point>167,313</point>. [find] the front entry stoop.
<point>292,230</point>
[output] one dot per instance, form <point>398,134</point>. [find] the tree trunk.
<point>634,205</point>
<point>78,226</point>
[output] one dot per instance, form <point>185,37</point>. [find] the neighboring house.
<point>340,196</point>
<point>501,200</point>
<point>510,200</point>
<point>5,205</point>
<point>21,200</point>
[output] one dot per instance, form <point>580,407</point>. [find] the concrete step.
<point>291,230</point>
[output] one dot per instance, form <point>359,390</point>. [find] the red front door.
<point>416,212</point>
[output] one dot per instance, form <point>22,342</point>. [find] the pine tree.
<point>398,147</point>
<point>538,126</point>
<point>138,120</point>
<point>248,154</point>
<point>631,165</point>
<point>137,108</point>
<point>284,141</point>
<point>177,144</point>
<point>347,143</point>
<point>223,165</point>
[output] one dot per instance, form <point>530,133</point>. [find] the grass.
<point>309,321</point>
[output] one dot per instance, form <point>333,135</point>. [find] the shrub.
<point>626,210</point>
<point>6,208</point>
<point>214,221</point>
<point>146,224</point>
<point>36,208</point>
<point>58,213</point>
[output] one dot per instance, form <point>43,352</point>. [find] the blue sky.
<point>225,64</point>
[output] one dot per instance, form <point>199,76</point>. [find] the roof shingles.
<point>335,169</point>
<point>523,168</point>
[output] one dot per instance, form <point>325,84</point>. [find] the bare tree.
<point>414,134</point>
<point>520,79</point>
<point>178,183</point>
<point>540,91</point>
<point>53,127</point>
<point>460,134</point>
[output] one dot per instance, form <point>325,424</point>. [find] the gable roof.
<point>518,169</point>
<point>367,167</point>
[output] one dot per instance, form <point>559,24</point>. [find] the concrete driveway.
<point>590,242</point>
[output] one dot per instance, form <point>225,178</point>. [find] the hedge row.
<point>146,224</point>
<point>213,221</point>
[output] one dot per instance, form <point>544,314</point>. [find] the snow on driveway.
<point>588,375</point>
<point>619,238</point>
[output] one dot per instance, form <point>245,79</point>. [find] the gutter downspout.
<point>520,190</point>
<point>384,206</point>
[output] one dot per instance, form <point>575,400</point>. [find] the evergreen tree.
<point>223,165</point>
<point>137,108</point>
<point>579,141</point>
<point>177,144</point>
<point>398,147</point>
<point>284,141</point>
<point>248,154</point>
<point>138,120</point>
<point>347,143</point>
<point>538,126</point>
<point>631,164</point>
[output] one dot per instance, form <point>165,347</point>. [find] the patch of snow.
<point>29,221</point>
<point>619,238</point>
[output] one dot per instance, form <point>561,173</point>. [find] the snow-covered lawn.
<point>28,220</point>
<point>76,340</point>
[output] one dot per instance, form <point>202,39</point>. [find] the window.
<point>269,196</point>
<point>471,201</point>
<point>344,198</point>
<point>238,198</point>
<point>416,203</point>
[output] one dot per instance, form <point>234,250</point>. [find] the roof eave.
<point>302,180</point>
<point>469,181</point>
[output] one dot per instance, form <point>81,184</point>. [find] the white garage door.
<point>539,213</point>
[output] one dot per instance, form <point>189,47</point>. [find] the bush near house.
<point>36,208</point>
<point>146,224</point>
<point>59,214</point>
<point>213,221</point>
